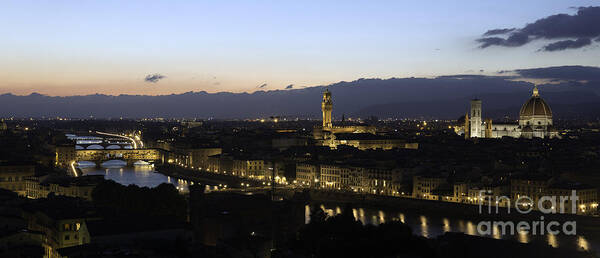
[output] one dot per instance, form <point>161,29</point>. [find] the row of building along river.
<point>427,225</point>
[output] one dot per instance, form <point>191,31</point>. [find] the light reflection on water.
<point>361,216</point>
<point>428,226</point>
<point>496,232</point>
<point>307,211</point>
<point>523,237</point>
<point>424,228</point>
<point>446,225</point>
<point>552,240</point>
<point>432,226</point>
<point>143,176</point>
<point>471,229</point>
<point>381,217</point>
<point>582,243</point>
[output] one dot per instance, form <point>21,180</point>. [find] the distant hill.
<point>441,97</point>
<point>567,104</point>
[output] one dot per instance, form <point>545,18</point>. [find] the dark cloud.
<point>154,78</point>
<point>516,39</point>
<point>473,77</point>
<point>580,27</point>
<point>493,41</point>
<point>565,44</point>
<point>583,24</point>
<point>289,86</point>
<point>498,32</point>
<point>262,86</point>
<point>575,72</point>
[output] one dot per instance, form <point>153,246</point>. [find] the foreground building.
<point>245,166</point>
<point>538,187</point>
<point>523,190</point>
<point>13,177</point>
<point>78,187</point>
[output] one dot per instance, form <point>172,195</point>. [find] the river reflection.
<point>140,175</point>
<point>143,176</point>
<point>427,225</point>
<point>432,226</point>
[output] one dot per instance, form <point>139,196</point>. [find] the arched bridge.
<point>130,156</point>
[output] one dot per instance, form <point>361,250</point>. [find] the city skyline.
<point>272,129</point>
<point>159,48</point>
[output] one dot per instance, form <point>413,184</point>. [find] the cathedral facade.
<point>535,121</point>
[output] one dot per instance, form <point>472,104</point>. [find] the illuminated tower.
<point>467,125</point>
<point>488,128</point>
<point>326,107</point>
<point>475,118</point>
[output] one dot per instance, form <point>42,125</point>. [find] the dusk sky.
<point>63,48</point>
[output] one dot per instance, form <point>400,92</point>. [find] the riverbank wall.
<point>588,224</point>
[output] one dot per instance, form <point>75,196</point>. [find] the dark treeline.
<point>343,236</point>
<point>163,200</point>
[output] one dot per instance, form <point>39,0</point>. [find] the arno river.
<point>136,175</point>
<point>427,225</point>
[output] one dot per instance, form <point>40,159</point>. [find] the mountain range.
<point>443,97</point>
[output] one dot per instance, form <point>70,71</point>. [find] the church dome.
<point>535,106</point>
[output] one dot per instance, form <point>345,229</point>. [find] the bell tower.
<point>327,107</point>
<point>476,118</point>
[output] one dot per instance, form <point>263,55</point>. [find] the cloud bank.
<point>573,72</point>
<point>572,31</point>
